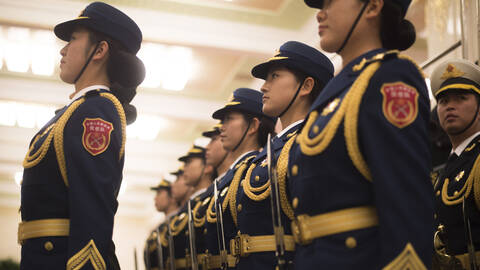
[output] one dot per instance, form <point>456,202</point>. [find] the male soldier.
<point>164,203</point>
<point>180,190</point>
<point>73,168</point>
<point>456,87</point>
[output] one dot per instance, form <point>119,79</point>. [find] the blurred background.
<point>196,53</point>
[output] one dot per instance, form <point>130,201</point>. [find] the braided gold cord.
<point>282,178</point>
<point>249,190</point>
<point>176,229</point>
<point>474,176</point>
<point>58,138</point>
<point>33,159</point>
<point>351,119</point>
<point>123,119</point>
<point>197,221</point>
<point>211,216</point>
<point>232,191</point>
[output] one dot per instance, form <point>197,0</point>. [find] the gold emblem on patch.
<point>459,176</point>
<point>451,72</point>
<point>330,107</point>
<point>277,52</point>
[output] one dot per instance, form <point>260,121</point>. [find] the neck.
<point>358,46</point>
<point>204,182</point>
<point>172,207</point>
<point>246,146</point>
<point>93,75</point>
<point>298,111</point>
<point>223,167</point>
<point>456,140</point>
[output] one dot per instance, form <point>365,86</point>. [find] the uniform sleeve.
<point>393,122</point>
<point>92,143</point>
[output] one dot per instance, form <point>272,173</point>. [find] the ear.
<point>254,126</point>
<point>374,9</point>
<point>307,86</point>
<point>102,51</point>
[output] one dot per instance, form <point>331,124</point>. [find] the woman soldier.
<point>244,129</point>
<point>73,168</point>
<point>293,79</point>
<point>359,170</point>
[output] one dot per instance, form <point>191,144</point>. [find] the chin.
<point>328,46</point>
<point>66,78</point>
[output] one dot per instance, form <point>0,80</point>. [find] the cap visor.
<point>64,30</point>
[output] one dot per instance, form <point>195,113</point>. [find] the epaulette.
<point>378,57</point>
<point>92,93</point>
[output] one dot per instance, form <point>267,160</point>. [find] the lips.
<point>450,117</point>
<point>264,98</point>
<point>322,28</point>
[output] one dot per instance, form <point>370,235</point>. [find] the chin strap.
<point>86,63</point>
<point>471,122</point>
<point>352,28</point>
<point>293,99</point>
<point>243,136</point>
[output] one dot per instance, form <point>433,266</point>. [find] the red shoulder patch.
<point>96,135</point>
<point>400,103</point>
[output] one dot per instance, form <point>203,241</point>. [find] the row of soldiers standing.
<point>345,184</point>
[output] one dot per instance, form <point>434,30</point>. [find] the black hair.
<point>123,81</point>
<point>300,76</point>
<point>396,33</point>
<point>266,126</point>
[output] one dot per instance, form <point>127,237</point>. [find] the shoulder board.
<point>378,57</point>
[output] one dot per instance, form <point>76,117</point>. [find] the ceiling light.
<point>2,46</point>
<point>7,114</point>
<point>179,68</point>
<point>152,56</point>
<point>43,53</point>
<point>169,67</point>
<point>17,49</point>
<point>146,127</point>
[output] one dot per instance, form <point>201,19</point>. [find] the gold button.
<point>295,202</point>
<point>257,178</point>
<point>455,193</point>
<point>239,207</point>
<point>315,129</point>
<point>435,216</point>
<point>48,246</point>
<point>241,183</point>
<point>294,170</point>
<point>438,192</point>
<point>350,242</point>
<point>205,231</point>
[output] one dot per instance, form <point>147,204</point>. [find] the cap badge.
<point>451,72</point>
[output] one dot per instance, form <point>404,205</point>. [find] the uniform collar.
<point>88,88</point>
<point>279,135</point>
<point>239,158</point>
<point>220,177</point>
<point>198,192</point>
<point>464,144</point>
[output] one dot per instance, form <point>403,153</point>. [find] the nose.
<point>63,51</point>
<point>264,87</point>
<point>321,15</point>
